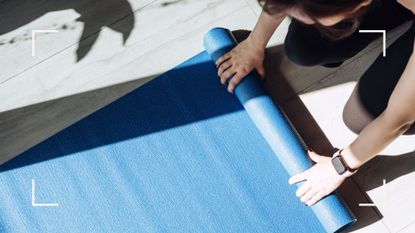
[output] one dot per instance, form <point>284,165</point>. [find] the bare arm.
<point>398,117</point>
<point>264,28</point>
<point>322,179</point>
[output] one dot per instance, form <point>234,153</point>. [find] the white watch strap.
<point>347,173</point>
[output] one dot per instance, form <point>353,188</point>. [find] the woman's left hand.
<point>320,180</point>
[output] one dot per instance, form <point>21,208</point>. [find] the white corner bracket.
<point>383,37</point>
<point>40,204</point>
<point>34,35</point>
<point>371,204</point>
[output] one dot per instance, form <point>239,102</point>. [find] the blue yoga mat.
<point>178,154</point>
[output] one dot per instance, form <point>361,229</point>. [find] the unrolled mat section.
<point>178,154</point>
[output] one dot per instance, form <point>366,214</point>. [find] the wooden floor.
<point>105,50</point>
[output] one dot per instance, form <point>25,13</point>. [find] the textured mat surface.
<point>179,154</point>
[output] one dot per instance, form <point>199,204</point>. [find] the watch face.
<point>338,165</point>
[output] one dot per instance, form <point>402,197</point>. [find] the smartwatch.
<point>341,166</point>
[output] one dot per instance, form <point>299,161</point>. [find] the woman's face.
<point>325,21</point>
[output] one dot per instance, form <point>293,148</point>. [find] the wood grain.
<point>105,51</point>
<point>162,38</point>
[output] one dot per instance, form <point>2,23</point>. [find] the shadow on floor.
<point>24,128</point>
<point>313,136</point>
<point>388,167</point>
<point>94,14</point>
<point>122,120</point>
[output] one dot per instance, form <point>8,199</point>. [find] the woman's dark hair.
<point>323,8</point>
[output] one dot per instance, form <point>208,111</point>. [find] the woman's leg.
<point>371,94</point>
<point>306,46</point>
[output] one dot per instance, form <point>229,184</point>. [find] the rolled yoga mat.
<point>277,131</point>
<point>178,154</point>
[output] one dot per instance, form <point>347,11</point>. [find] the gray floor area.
<point>102,52</point>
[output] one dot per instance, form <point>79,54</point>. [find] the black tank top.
<point>385,15</point>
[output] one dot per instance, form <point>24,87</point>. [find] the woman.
<point>325,32</point>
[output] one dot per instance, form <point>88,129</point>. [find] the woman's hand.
<point>320,180</point>
<point>238,62</point>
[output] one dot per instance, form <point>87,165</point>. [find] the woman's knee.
<point>355,117</point>
<point>358,112</point>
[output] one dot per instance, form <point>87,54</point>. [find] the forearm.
<point>394,121</point>
<point>373,139</point>
<point>264,28</point>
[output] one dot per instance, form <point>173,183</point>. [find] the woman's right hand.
<point>238,62</point>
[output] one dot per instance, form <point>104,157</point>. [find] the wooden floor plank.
<point>74,19</point>
<point>44,94</point>
<point>162,37</point>
<point>32,124</point>
<point>394,199</point>
<point>325,99</point>
<point>254,6</point>
<point>326,106</point>
<point>306,120</point>
<point>408,229</point>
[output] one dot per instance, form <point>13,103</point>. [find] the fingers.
<point>261,71</point>
<point>315,157</point>
<point>317,197</point>
<point>226,75</point>
<point>225,57</point>
<point>303,190</point>
<point>234,69</point>
<point>223,67</point>
<point>234,81</point>
<point>235,74</point>
<point>297,178</point>
<point>319,181</point>
<point>308,195</point>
